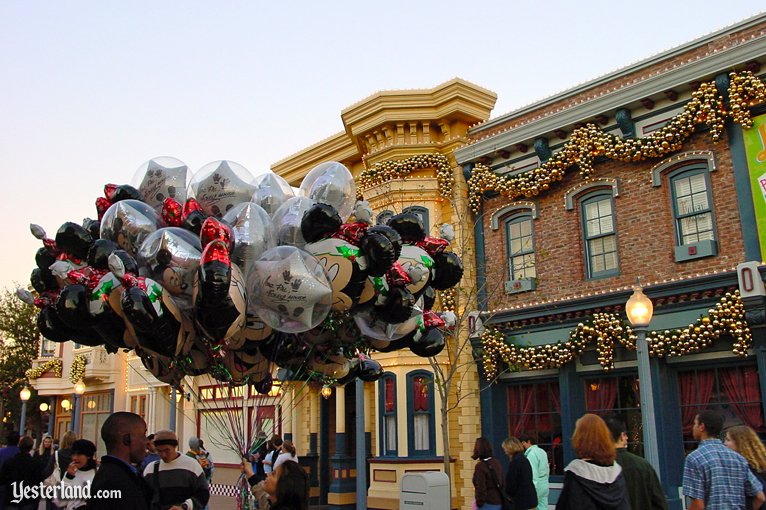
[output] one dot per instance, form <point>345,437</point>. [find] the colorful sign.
<point>755,149</point>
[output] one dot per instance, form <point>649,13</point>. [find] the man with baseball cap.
<point>177,481</point>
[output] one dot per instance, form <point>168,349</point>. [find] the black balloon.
<point>156,333</point>
<point>42,280</point>
<point>44,258</point>
<point>72,307</point>
<point>391,234</point>
<point>393,345</point>
<point>74,239</point>
<point>51,327</point>
<point>369,370</point>
<point>193,221</point>
<point>92,226</point>
<point>428,344</point>
<point>448,272</point>
<point>264,385</point>
<point>409,226</point>
<point>98,254</point>
<point>380,253</point>
<point>320,221</point>
<point>130,264</point>
<point>429,297</point>
<point>397,307</point>
<point>126,192</point>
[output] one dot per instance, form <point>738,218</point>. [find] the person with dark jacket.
<point>19,472</point>
<point>644,488</point>
<point>593,481</point>
<point>519,484</point>
<point>124,435</point>
<point>487,477</point>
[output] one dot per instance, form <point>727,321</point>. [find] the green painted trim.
<point>744,193</point>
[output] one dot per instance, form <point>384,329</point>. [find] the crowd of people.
<point>725,471</point>
<point>139,471</point>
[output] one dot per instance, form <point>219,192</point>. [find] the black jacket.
<point>519,485</point>
<point>588,486</point>
<point>21,468</point>
<point>113,474</point>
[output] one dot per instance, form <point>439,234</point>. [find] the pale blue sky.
<point>90,90</point>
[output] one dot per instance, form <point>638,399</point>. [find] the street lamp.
<point>639,310</point>
<point>44,407</point>
<point>326,392</point>
<point>24,395</point>
<point>79,389</point>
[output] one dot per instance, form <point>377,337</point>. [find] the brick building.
<point>649,172</point>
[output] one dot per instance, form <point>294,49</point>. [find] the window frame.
<point>386,215</point>
<point>595,197</point>
<point>411,413</point>
<point>383,415</point>
<point>511,220</point>
<point>422,213</point>
<point>684,172</point>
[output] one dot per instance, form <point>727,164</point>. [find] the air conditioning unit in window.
<point>520,285</point>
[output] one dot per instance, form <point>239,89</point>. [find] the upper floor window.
<point>600,235</point>
<point>420,419</point>
<point>388,421</point>
<point>47,347</point>
<point>422,213</point>
<point>520,247</point>
<point>690,193</point>
<point>383,217</point>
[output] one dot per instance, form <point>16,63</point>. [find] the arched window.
<point>520,246</point>
<point>422,213</point>
<point>383,217</point>
<point>599,228</point>
<point>420,414</point>
<point>693,212</point>
<point>388,420</point>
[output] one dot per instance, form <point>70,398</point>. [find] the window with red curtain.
<point>388,419</point>
<point>617,395</point>
<point>733,391</point>
<point>535,409</point>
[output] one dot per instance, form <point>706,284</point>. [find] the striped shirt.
<point>719,476</point>
<point>180,481</point>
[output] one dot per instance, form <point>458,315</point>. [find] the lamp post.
<point>639,310</point>
<point>24,395</point>
<point>79,389</point>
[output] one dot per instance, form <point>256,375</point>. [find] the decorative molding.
<point>590,185</point>
<point>518,206</point>
<point>689,156</point>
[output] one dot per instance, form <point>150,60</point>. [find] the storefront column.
<point>342,495</point>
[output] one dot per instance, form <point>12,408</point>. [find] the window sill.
<point>693,251</point>
<point>520,285</point>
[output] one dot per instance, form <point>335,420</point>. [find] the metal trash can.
<point>428,490</point>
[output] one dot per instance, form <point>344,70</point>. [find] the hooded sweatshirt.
<point>589,486</point>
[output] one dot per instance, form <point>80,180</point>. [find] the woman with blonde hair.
<point>743,440</point>
<point>593,479</point>
<point>518,480</point>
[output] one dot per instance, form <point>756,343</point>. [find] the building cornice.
<point>707,66</point>
<point>338,147</point>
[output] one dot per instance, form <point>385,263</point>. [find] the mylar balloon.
<point>220,185</point>
<point>287,221</point>
<point>418,263</point>
<point>74,240</point>
<point>253,235</point>
<point>345,267</point>
<point>292,291</point>
<point>448,270</point>
<point>160,178</point>
<point>320,221</point>
<point>128,223</point>
<point>271,191</point>
<point>409,226</point>
<point>171,256</point>
<point>331,183</point>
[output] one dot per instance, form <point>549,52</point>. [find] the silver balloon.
<point>221,185</point>
<point>377,329</point>
<point>287,221</point>
<point>253,235</point>
<point>271,192</point>
<point>129,223</point>
<point>171,256</point>
<point>291,292</point>
<point>161,178</point>
<point>331,183</point>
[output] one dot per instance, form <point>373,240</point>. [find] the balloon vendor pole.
<point>173,405</point>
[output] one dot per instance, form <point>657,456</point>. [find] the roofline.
<point>710,64</point>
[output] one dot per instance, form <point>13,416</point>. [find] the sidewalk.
<point>228,503</point>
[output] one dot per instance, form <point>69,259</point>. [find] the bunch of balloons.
<point>228,274</point>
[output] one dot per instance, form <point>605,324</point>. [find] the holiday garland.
<point>726,319</point>
<point>396,169</point>
<point>706,106</point>
<point>55,364</point>
<point>78,368</point>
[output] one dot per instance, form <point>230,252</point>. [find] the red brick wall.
<point>645,233</point>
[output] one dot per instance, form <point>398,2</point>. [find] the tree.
<point>19,344</point>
